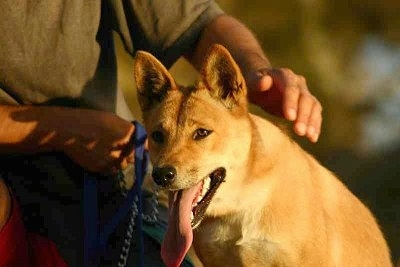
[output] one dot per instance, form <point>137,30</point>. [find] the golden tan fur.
<point>278,206</point>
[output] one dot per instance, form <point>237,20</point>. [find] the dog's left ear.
<point>223,78</point>
<point>152,80</point>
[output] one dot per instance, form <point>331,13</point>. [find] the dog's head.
<point>196,136</point>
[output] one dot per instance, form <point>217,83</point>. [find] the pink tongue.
<point>179,235</point>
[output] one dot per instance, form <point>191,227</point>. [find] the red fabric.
<point>21,249</point>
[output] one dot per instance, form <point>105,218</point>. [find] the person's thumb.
<point>260,81</point>
<point>264,83</point>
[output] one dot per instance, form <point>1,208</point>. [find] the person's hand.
<point>98,141</point>
<point>283,93</point>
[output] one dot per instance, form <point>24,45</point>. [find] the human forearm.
<point>96,140</point>
<point>237,38</point>
<point>26,129</point>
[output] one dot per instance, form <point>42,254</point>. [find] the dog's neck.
<point>264,149</point>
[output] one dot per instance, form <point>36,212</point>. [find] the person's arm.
<point>277,90</point>
<point>96,140</point>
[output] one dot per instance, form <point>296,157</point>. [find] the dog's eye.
<point>201,133</point>
<point>157,137</point>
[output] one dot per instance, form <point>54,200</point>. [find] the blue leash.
<point>96,236</point>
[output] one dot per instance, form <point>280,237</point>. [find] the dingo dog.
<point>239,188</point>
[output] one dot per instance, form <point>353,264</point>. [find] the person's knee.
<point>5,203</point>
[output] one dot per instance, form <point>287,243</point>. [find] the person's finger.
<point>126,157</point>
<point>259,81</point>
<point>131,158</point>
<point>123,164</point>
<point>290,102</point>
<point>305,105</point>
<point>291,106</point>
<point>314,122</point>
<point>264,83</point>
<point>128,150</point>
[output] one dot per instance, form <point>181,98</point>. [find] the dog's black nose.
<point>164,176</point>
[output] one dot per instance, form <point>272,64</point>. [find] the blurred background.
<point>349,51</point>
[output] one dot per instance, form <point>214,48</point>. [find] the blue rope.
<point>141,161</point>
<point>96,237</point>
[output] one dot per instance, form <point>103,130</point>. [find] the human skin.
<point>96,140</point>
<point>5,204</point>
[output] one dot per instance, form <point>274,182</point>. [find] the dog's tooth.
<point>208,182</point>
<point>199,198</point>
<point>206,186</point>
<point>204,191</point>
<point>191,216</point>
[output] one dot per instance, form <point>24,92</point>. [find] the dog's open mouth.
<point>207,190</point>
<point>186,211</point>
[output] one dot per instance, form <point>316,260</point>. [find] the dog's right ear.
<point>223,77</point>
<point>152,80</point>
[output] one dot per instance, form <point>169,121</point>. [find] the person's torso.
<point>58,52</point>
<point>48,48</point>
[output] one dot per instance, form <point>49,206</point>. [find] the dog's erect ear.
<point>152,80</point>
<point>222,77</point>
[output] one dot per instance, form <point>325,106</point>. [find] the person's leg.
<point>17,246</point>
<point>49,197</point>
<point>5,203</point>
<point>13,242</point>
